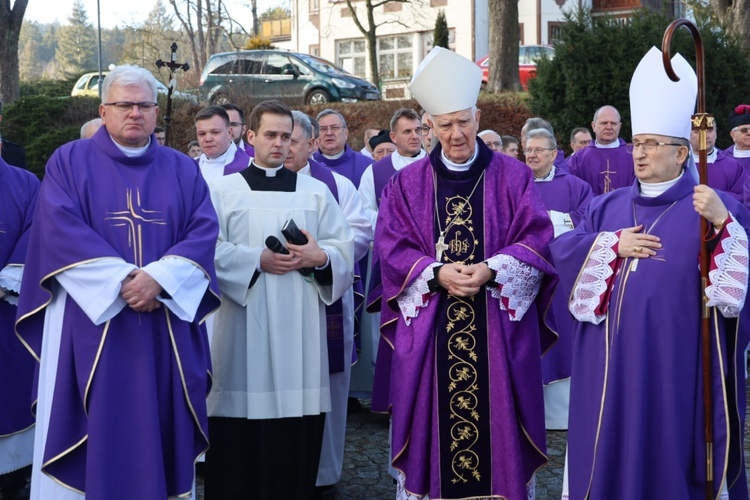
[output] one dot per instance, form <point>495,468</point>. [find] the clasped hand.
<point>299,256</point>
<point>461,280</point>
<point>139,290</point>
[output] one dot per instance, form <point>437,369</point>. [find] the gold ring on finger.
<point>638,248</point>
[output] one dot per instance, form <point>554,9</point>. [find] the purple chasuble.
<point>568,194</point>
<point>560,161</point>
<point>249,150</point>
<point>382,171</point>
<point>745,162</point>
<point>605,169</point>
<point>18,192</point>
<point>351,164</point>
<point>728,175</point>
<point>506,216</point>
<point>636,403</point>
<point>128,417</point>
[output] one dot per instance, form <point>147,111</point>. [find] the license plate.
<point>372,96</point>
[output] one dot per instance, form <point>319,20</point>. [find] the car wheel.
<point>318,96</point>
<point>220,99</point>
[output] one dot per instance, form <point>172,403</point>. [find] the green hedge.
<point>595,59</point>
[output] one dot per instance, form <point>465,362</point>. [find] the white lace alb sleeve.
<point>517,284</point>
<point>417,295</point>
<point>728,287</point>
<point>592,282</point>
<point>10,281</point>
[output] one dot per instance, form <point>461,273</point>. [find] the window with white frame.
<point>352,56</point>
<point>396,56</point>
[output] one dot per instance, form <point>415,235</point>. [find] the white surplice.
<point>269,348</point>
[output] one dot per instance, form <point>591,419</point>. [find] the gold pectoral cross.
<point>440,247</point>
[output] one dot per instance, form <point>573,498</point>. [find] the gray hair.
<point>329,111</point>
<point>128,75</point>
<point>542,133</point>
<point>536,123</point>
<point>488,131</point>
<point>91,124</point>
<point>407,113</point>
<point>303,121</point>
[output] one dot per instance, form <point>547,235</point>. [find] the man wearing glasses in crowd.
<point>118,279</point>
<point>238,128</point>
<point>739,124</point>
<point>333,151</point>
<point>492,140</point>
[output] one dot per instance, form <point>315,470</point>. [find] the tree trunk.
<point>372,44</point>
<point>10,30</point>
<point>736,17</point>
<point>504,34</point>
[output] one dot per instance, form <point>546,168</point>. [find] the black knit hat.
<point>383,136</point>
<point>739,116</point>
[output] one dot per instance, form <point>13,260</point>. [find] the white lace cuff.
<point>517,284</point>
<point>728,286</point>
<point>592,282</point>
<point>10,281</point>
<point>417,295</point>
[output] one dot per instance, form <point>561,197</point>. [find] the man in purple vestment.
<point>739,124</point>
<point>220,156</point>
<point>605,163</point>
<point>119,277</point>
<point>636,426</point>
<point>565,197</point>
<point>18,192</point>
<point>724,172</point>
<point>333,150</point>
<point>461,242</point>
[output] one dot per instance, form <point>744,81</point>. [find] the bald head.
<point>90,127</point>
<point>606,125</point>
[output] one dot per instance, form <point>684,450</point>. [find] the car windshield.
<point>322,65</point>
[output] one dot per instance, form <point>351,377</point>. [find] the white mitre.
<point>446,82</point>
<point>657,104</point>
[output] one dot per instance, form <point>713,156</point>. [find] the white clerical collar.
<point>132,152</point>
<point>336,156</point>
<point>652,190</point>
<point>269,171</point>
<point>711,156</point>
<point>741,153</point>
<point>305,170</point>
<point>460,167</point>
<point>547,178</point>
<point>612,145</point>
<point>226,155</point>
<point>400,162</point>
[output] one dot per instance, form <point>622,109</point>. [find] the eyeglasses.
<point>741,130</point>
<point>648,146</point>
<point>236,124</point>
<point>536,151</point>
<point>494,144</point>
<point>423,131</point>
<point>126,106</point>
<point>333,128</point>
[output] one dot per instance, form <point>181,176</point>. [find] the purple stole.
<point>645,439</point>
<point>129,393</point>
<point>382,171</point>
<point>240,162</point>
<point>334,312</point>
<point>249,150</point>
<point>513,222</point>
<point>18,192</point>
<point>351,164</point>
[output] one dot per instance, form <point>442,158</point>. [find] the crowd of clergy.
<point>162,314</point>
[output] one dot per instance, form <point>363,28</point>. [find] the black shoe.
<point>326,492</point>
<point>353,406</point>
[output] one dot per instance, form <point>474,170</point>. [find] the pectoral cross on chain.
<point>440,247</point>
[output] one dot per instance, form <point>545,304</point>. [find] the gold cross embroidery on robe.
<point>133,218</point>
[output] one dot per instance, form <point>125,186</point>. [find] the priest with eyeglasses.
<point>461,242</point>
<point>636,424</point>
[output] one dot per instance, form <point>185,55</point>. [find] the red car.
<point>528,55</point>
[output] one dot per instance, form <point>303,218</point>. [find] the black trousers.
<point>263,459</point>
